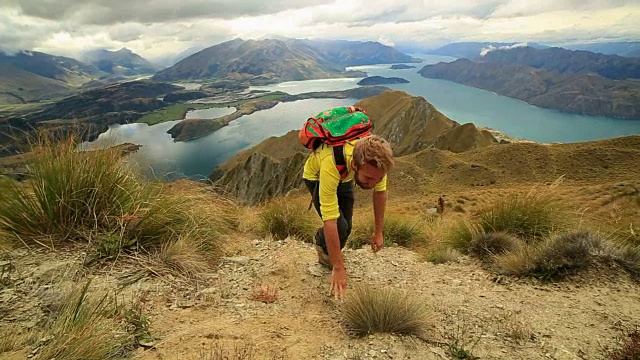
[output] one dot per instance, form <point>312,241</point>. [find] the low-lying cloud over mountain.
<point>159,28</point>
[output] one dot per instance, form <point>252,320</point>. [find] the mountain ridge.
<point>123,62</point>
<point>582,94</point>
<point>409,123</point>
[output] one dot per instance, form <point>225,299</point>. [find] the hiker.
<point>441,204</point>
<point>329,174</point>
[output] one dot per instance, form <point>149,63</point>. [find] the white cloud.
<point>490,48</point>
<point>159,28</point>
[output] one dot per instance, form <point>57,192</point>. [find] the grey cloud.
<point>147,11</point>
<point>15,36</point>
<point>514,8</point>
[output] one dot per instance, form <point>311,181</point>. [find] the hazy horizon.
<point>160,29</point>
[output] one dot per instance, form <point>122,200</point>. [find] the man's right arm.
<point>338,285</point>
<point>332,240</point>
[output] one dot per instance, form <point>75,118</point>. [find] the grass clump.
<point>443,255</point>
<point>526,217</point>
<point>460,236</point>
<point>495,243</point>
<point>282,219</point>
<point>86,327</point>
<point>368,311</point>
<point>398,230</point>
<point>555,257</point>
<point>96,197</point>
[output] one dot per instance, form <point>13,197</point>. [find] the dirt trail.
<point>566,320</point>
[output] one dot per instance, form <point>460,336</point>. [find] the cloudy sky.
<point>162,28</point>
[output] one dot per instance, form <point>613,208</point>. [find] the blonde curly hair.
<point>373,150</point>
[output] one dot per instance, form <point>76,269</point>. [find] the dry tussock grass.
<point>368,310</point>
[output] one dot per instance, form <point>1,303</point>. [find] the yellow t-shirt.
<point>321,165</point>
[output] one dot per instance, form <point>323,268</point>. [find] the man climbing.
<point>329,173</point>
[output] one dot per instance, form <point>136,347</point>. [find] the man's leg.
<point>344,222</point>
<point>323,256</point>
<point>345,203</point>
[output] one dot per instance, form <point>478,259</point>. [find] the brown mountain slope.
<point>609,160</point>
<point>409,123</point>
<point>18,86</point>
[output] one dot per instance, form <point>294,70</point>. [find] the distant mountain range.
<point>623,48</point>
<point>69,71</point>
<point>582,94</point>
<point>568,62</point>
<point>123,62</point>
<point>472,50</point>
<point>354,53</point>
<point>273,60</point>
<point>18,86</point>
<point>29,76</point>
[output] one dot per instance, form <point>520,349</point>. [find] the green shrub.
<point>495,243</point>
<point>460,236</point>
<point>367,311</point>
<point>281,219</point>
<point>526,217</point>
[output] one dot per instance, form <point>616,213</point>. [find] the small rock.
<point>237,259</point>
<point>372,353</point>
<point>315,270</point>
<point>500,306</point>
<point>439,352</point>
<point>456,282</point>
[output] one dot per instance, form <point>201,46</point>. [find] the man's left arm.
<point>379,204</point>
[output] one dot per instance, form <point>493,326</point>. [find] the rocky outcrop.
<point>260,177</point>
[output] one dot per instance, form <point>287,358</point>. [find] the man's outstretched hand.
<point>338,282</point>
<point>377,242</point>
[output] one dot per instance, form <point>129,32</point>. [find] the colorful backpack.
<point>335,127</point>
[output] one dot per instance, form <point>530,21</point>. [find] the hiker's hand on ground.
<point>377,242</point>
<point>338,282</point>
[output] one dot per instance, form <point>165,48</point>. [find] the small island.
<point>401,67</point>
<point>380,80</point>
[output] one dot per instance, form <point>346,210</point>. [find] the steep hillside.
<point>353,53</point>
<point>409,123</point>
<point>67,70</point>
<point>564,61</point>
<point>582,94</point>
<point>255,61</point>
<point>123,62</point>
<point>19,86</point>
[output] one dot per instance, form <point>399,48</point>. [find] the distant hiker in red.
<point>441,204</point>
<point>329,174</point>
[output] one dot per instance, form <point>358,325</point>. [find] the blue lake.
<point>461,103</point>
